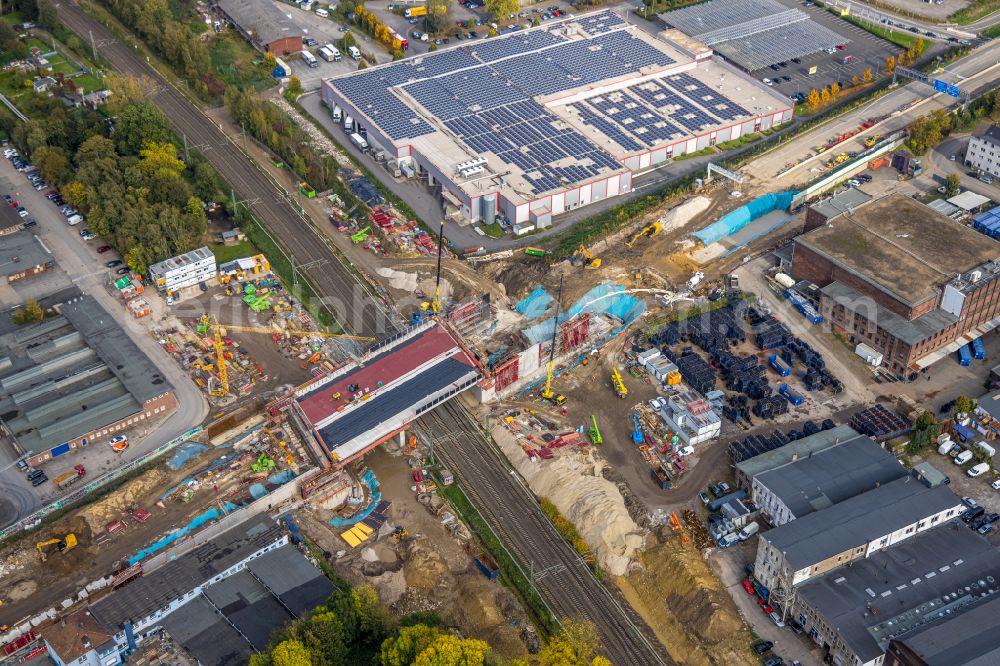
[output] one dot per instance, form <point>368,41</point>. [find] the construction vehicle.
<point>583,256</point>
<point>872,140</point>
<point>616,382</point>
<point>534,252</point>
<point>263,465</point>
<point>595,432</point>
<point>637,436</point>
<point>361,236</point>
<point>647,231</point>
<point>67,479</point>
<point>63,545</point>
<point>547,392</point>
<point>309,361</point>
<point>289,459</point>
<point>434,306</point>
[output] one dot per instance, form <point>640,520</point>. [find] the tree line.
<point>276,130</point>
<point>353,627</point>
<point>126,177</point>
<point>927,131</point>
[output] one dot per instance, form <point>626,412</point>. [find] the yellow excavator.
<point>647,231</point>
<point>583,256</point>
<point>63,545</point>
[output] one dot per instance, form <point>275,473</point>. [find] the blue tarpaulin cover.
<point>732,222</point>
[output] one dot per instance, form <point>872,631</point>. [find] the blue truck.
<point>779,365</point>
<point>791,394</point>
<point>978,350</point>
<point>964,355</point>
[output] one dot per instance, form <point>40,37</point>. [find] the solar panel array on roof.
<point>715,102</point>
<point>601,23</point>
<point>608,128</point>
<point>495,49</point>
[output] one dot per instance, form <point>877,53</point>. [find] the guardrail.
<point>34,519</point>
<point>10,105</point>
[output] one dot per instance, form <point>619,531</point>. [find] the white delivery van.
<point>354,52</point>
<point>322,13</point>
<point>963,457</point>
<point>748,531</point>
<point>979,470</point>
<point>309,59</point>
<point>945,447</point>
<point>986,448</point>
<point>74,220</point>
<point>336,52</point>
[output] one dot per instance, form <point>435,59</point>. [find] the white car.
<point>768,82</point>
<point>995,485</point>
<point>963,457</point>
<point>118,443</point>
<point>978,470</point>
<point>9,153</point>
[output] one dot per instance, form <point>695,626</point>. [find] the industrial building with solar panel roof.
<point>523,127</point>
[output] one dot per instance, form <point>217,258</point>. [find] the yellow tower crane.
<point>217,330</point>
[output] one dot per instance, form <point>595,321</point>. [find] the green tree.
<point>502,9</point>
<point>139,124</point>
<point>52,163</point>
<point>450,650</point>
<point>952,184</point>
<point>433,47</point>
<point>34,309</point>
<point>47,17</point>
<point>28,9</point>
<point>373,620</point>
<point>362,64</point>
<point>397,54</point>
<point>575,645</point>
<point>291,653</point>
<point>813,100</point>
<point>403,649</point>
<point>294,86</point>
<point>10,43</point>
<point>205,181</point>
<point>438,16</point>
<point>963,404</point>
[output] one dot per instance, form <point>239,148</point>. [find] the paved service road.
<point>353,307</point>
<point>561,576</point>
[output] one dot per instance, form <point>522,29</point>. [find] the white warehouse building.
<point>526,126</point>
<point>184,270</point>
<point>689,415</point>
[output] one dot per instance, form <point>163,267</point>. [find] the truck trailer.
<point>413,12</point>
<point>67,479</point>
<point>359,142</point>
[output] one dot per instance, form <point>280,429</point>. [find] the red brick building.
<point>902,278</point>
<point>263,25</point>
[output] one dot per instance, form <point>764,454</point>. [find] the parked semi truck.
<point>309,59</point>
<point>67,479</point>
<point>359,142</point>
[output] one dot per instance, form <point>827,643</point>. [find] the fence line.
<point>34,519</point>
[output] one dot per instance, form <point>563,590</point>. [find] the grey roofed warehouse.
<point>72,376</point>
<point>266,26</point>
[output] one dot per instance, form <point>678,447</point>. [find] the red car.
<point>103,249</point>
<point>748,587</point>
<point>556,12</point>
<point>13,203</point>
<point>767,610</point>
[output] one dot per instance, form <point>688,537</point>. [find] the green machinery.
<point>534,252</point>
<point>595,432</point>
<point>361,236</point>
<point>263,464</point>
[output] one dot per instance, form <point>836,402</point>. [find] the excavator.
<point>63,545</point>
<point>583,256</point>
<point>647,231</point>
<point>547,393</point>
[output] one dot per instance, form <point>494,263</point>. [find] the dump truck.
<point>67,479</point>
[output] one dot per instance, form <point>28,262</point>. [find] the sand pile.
<point>100,513</point>
<point>699,623</point>
<point>676,218</point>
<point>399,279</point>
<point>575,485</point>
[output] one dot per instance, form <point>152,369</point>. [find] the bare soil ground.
<point>685,604</point>
<point>430,569</point>
<point>30,586</point>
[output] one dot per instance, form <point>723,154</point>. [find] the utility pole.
<point>187,156</point>
<point>93,46</point>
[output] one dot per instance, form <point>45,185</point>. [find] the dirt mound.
<point>423,567</point>
<point>112,506</point>
<point>698,622</point>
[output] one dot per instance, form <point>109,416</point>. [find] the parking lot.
<point>864,50</point>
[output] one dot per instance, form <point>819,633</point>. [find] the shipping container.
<point>871,356</point>
<point>791,394</point>
<point>964,355</point>
<point>779,365</point>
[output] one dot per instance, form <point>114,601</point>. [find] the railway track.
<point>562,578</point>
<point>340,290</point>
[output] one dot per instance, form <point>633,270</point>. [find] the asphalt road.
<point>80,266</point>
<point>353,307</point>
<point>562,578</point>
